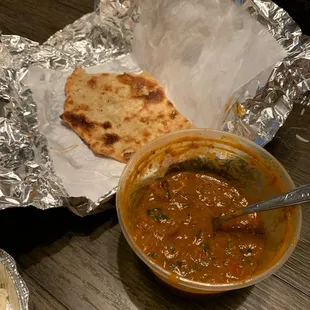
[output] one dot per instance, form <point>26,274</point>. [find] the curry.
<point>172,224</point>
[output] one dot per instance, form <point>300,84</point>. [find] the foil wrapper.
<point>27,175</point>
<point>12,283</point>
<point>258,110</point>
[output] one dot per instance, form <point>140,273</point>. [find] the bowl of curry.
<point>171,190</point>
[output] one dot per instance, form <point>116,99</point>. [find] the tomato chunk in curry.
<point>173,226</point>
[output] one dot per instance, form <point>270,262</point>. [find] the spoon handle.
<point>296,196</point>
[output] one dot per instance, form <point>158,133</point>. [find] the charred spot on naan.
<point>137,83</point>
<point>173,114</point>
<point>92,83</point>
<point>107,125</point>
<point>146,133</point>
<point>154,96</point>
<point>97,148</point>
<point>78,120</point>
<point>144,88</point>
<point>110,138</point>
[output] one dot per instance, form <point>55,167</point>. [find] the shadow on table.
<point>32,231</point>
<point>146,292</point>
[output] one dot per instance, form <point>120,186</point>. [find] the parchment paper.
<point>202,51</point>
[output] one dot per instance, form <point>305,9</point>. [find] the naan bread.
<point>3,299</point>
<point>115,114</point>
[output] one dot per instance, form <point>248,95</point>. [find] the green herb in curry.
<point>184,242</point>
<point>157,215</point>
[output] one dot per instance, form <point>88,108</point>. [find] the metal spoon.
<point>294,197</point>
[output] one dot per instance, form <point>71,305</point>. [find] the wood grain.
<point>85,263</point>
<point>39,19</point>
<point>102,272</point>
<point>294,155</point>
<point>39,298</point>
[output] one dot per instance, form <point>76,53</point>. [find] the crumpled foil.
<point>11,281</point>
<point>27,176</point>
<point>259,115</point>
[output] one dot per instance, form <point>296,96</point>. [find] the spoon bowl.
<point>294,197</point>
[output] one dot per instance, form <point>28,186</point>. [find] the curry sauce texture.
<point>172,224</point>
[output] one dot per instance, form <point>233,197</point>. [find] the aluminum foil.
<point>12,283</point>
<point>27,176</point>
<point>259,115</point>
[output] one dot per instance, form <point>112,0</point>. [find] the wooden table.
<point>85,263</point>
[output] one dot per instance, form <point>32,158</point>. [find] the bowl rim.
<point>14,277</point>
<point>195,285</point>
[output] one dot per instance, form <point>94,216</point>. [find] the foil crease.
<point>27,176</point>
<point>11,281</point>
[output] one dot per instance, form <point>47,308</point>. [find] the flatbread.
<point>3,299</point>
<point>116,114</point>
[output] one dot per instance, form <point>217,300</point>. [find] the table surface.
<point>85,263</point>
